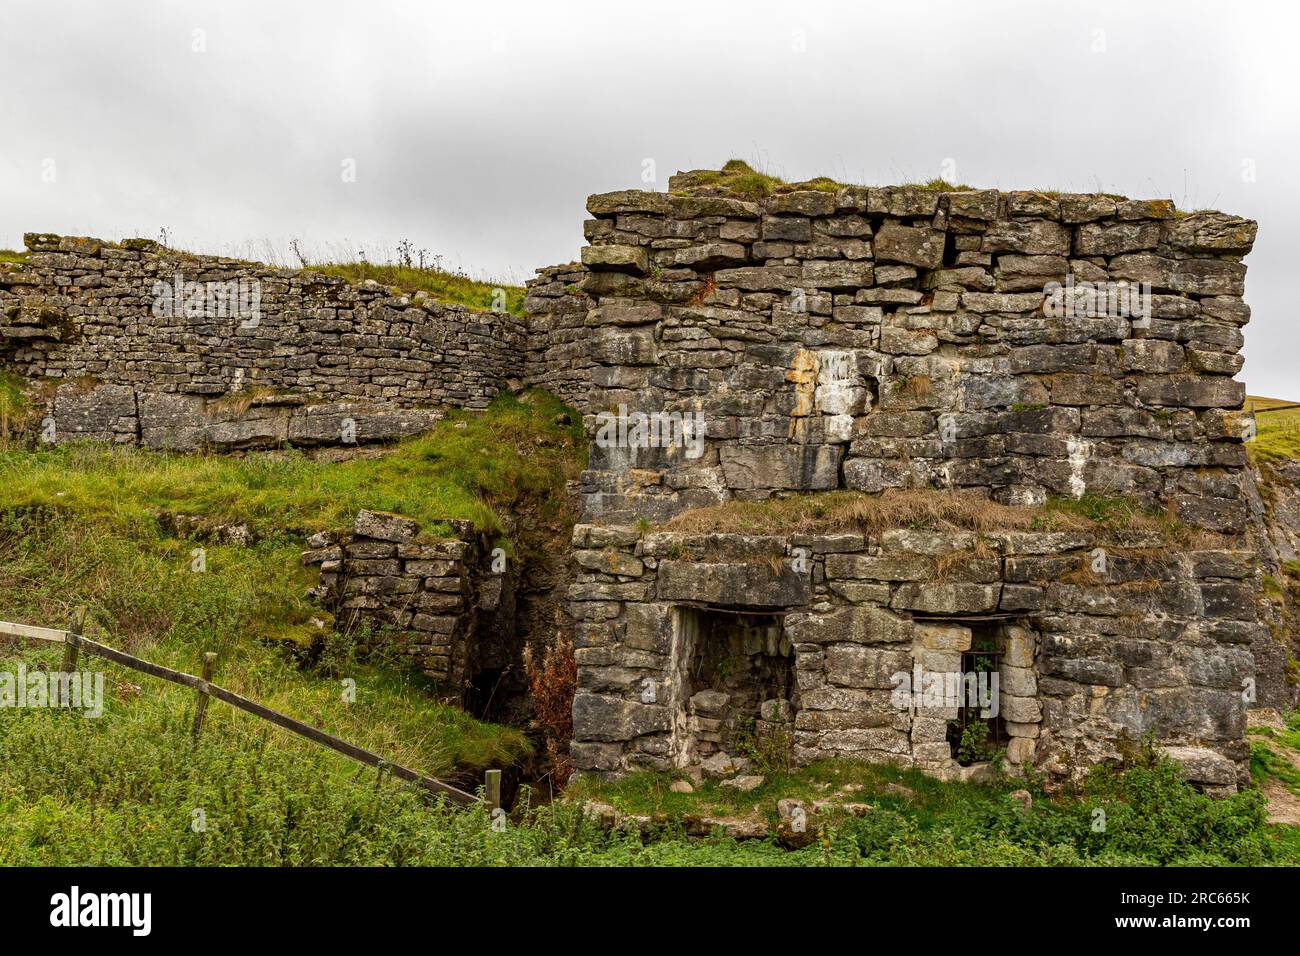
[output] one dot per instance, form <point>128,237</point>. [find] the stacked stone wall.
<point>874,338</point>
<point>559,358</point>
<point>1154,645</point>
<point>415,593</point>
<point>246,356</point>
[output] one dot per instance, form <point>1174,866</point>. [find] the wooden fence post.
<point>201,705</point>
<point>492,789</point>
<point>72,641</point>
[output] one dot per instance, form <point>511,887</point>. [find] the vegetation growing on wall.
<point>452,288</point>
<point>739,178</point>
<point>835,511</point>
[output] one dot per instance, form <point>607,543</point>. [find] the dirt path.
<point>1283,803</point>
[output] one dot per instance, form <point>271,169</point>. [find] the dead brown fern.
<point>552,681</point>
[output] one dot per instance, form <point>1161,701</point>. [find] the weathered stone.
<point>807,467</point>
<point>628,200</point>
<point>613,258</point>
<point>837,275</point>
<point>1202,765</point>
<point>947,598</point>
<point>860,625</point>
<point>1191,391</point>
<point>757,585</point>
<point>1214,232</point>
<point>603,718</point>
<point>1034,237</point>
<point>943,637</point>
<point>806,202</point>
<point>912,245</point>
<point>977,204</point>
<point>893,567</point>
<point>1094,239</point>
<point>384,526</point>
<point>1086,208</point>
<point>609,561</point>
<point>902,201</point>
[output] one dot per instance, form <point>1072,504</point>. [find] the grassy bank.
<point>1278,436</point>
<point>81,526</point>
<point>475,467</point>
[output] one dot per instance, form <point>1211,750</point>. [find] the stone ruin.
<point>1010,348</point>
<point>1003,349</point>
<point>141,344</point>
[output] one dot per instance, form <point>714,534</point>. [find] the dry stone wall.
<point>1012,346</point>
<point>690,644</point>
<point>869,338</point>
<point>559,357</point>
<point>415,593</point>
<point>245,356</point>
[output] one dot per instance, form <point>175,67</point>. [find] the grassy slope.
<point>1278,435</point>
<point>78,527</point>
<point>125,789</point>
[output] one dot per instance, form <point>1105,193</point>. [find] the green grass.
<point>1266,761</point>
<point>1151,817</point>
<point>13,400</point>
<point>472,466</point>
<point>1266,752</point>
<point>9,255</point>
<point>740,179</point>
<point>1111,511</point>
<point>142,596</point>
<point>123,790</point>
<point>79,527</point>
<point>446,287</point>
<point>1278,436</point>
<point>939,185</point>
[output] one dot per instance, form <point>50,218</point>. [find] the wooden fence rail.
<point>75,643</point>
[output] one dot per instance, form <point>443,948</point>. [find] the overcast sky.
<point>476,130</point>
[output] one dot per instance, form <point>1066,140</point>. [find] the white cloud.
<point>478,129</point>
